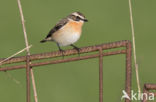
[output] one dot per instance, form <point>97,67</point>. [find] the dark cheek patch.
<point>78,18</point>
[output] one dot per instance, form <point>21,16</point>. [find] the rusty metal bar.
<point>62,60</point>
<point>145,91</point>
<point>99,48</point>
<point>100,75</point>
<point>150,86</point>
<point>147,88</point>
<point>128,71</point>
<point>67,52</point>
<point>28,78</point>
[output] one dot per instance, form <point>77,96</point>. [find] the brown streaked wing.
<point>59,25</point>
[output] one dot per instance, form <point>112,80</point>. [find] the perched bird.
<point>67,31</point>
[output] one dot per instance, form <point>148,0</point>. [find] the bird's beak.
<point>85,20</point>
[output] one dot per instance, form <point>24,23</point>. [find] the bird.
<point>67,31</point>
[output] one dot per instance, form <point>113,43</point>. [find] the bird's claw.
<point>62,51</point>
<point>78,50</point>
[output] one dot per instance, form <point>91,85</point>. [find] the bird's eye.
<point>78,18</point>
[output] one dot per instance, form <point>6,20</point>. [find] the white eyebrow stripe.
<point>76,14</point>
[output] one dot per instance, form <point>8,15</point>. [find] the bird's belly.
<point>66,38</point>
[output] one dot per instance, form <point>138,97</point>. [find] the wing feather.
<point>59,25</point>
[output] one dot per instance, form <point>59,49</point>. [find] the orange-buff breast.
<point>76,26</point>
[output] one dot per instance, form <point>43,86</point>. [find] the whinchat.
<point>67,31</point>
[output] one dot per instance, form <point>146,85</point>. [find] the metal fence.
<point>49,55</point>
<point>146,90</point>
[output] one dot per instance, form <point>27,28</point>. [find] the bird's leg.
<point>76,48</point>
<point>60,49</point>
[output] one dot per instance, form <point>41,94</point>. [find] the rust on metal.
<point>128,70</point>
<point>62,60</point>
<point>146,89</point>
<point>50,55</point>
<point>150,86</point>
<point>67,52</point>
<point>28,78</point>
<point>100,75</point>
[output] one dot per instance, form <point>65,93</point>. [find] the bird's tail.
<point>42,41</point>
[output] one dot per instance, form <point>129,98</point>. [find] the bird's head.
<point>78,17</point>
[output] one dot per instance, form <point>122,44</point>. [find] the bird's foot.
<point>62,51</point>
<point>76,48</point>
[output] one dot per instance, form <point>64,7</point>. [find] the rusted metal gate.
<point>146,90</point>
<point>30,58</point>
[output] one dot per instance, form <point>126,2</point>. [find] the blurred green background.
<point>77,81</point>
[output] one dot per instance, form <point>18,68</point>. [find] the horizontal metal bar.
<point>63,60</point>
<point>150,86</point>
<point>67,52</point>
<point>146,89</point>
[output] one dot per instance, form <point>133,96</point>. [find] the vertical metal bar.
<point>28,78</point>
<point>128,71</point>
<point>145,91</point>
<point>100,75</point>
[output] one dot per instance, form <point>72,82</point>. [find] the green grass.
<point>77,81</point>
